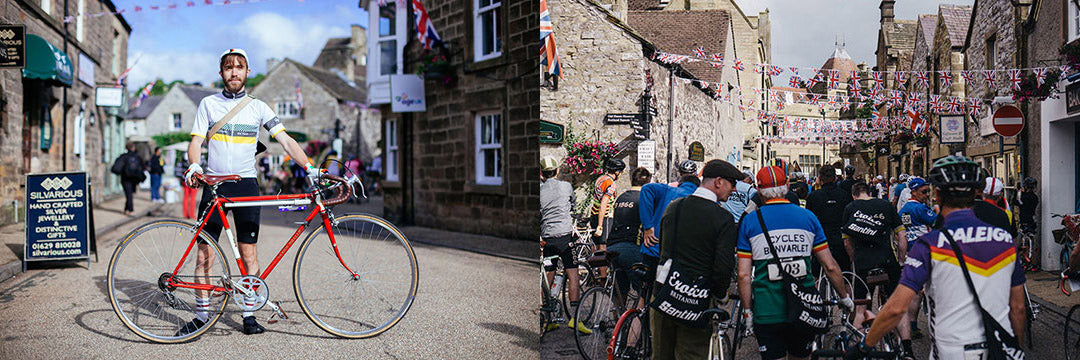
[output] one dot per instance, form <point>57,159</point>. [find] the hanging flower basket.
<point>436,66</point>
<point>1031,90</point>
<point>587,157</point>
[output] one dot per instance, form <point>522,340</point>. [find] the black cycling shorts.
<point>602,239</point>
<point>777,341</point>
<point>560,245</point>
<point>245,219</point>
<point>891,268</point>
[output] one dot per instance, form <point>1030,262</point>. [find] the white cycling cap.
<point>240,52</point>
<point>994,186</point>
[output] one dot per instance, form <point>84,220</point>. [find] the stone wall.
<point>160,121</point>
<point>438,186</point>
<point>992,18</point>
<point>605,67</point>
<point>97,44</point>
<point>1043,41</point>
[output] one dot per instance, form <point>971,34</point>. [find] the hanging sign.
<point>621,119</point>
<point>697,151</point>
<point>12,46</point>
<point>646,155</point>
<point>551,133</point>
<point>57,216</point>
<point>407,93</point>
<point>953,130</point>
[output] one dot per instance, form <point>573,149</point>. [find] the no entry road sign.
<point>1008,121</point>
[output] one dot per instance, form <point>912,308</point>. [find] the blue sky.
<point>185,43</point>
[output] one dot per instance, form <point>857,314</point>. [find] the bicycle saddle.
<point>598,259</point>
<point>721,315</point>
<point>212,180</point>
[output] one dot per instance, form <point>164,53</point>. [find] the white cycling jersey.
<point>232,148</point>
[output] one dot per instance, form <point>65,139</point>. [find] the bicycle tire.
<point>136,293</point>
<point>739,329</point>
<point>596,312</point>
<point>640,349</point>
<point>1072,334</point>
<point>361,240</point>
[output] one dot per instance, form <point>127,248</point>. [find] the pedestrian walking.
<point>697,250</point>
<point>796,236</point>
<point>849,178</point>
<point>189,203</point>
<point>966,311</point>
<point>129,166</point>
<point>156,166</point>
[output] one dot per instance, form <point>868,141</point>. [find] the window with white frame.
<point>486,41</point>
<point>46,6</point>
<point>177,121</point>
<point>1074,20</point>
<point>391,158</point>
<point>79,27</point>
<point>489,148</point>
<point>386,39</point>
<point>288,109</point>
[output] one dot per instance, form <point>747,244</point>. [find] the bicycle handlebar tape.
<point>343,191</point>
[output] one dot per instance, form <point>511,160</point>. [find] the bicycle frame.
<point>221,203</point>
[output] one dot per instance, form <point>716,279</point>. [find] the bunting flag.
<point>856,81</point>
<point>700,52</point>
<point>1040,76</point>
<point>923,78</point>
<point>935,103</point>
<point>879,80</point>
<point>896,98</point>
<point>991,82</point>
<point>425,30</point>
<point>1015,78</point>
<point>718,57</point>
<point>550,57</point>
<point>901,79</point>
<point>974,107</point>
<point>738,65</point>
<point>914,99</point>
<point>144,94</point>
<point>775,70</point>
<point>955,105</point>
<point>918,123</point>
<point>759,68</point>
<point>795,81</point>
<point>968,77</point>
<point>945,77</point>
<point>811,82</point>
<point>834,79</point>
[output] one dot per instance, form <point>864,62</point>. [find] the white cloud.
<point>173,65</point>
<point>272,35</point>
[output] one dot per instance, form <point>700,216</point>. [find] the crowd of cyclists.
<point>727,227</point>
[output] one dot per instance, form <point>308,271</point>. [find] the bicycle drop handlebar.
<point>342,187</point>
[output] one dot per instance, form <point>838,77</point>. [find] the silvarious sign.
<point>12,46</point>
<point>953,130</point>
<point>57,216</point>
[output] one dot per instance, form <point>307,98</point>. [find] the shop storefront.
<point>1059,187</point>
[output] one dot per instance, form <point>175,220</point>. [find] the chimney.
<point>271,63</point>
<point>887,11</point>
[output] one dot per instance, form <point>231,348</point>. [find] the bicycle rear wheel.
<point>596,312</point>
<point>139,280</point>
<point>370,298</point>
<point>639,348</point>
<point>1072,333</point>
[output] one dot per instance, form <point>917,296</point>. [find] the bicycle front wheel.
<point>142,288</point>
<point>358,280</point>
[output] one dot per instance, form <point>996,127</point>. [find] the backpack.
<point>133,168</point>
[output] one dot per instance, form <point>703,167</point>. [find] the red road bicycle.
<point>355,276</point>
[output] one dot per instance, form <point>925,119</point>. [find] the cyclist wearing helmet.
<point>557,228</point>
<point>603,197</point>
<point>686,167</point>
<point>989,254</point>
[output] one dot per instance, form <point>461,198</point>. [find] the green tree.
<point>251,82</point>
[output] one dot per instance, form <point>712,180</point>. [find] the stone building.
<point>330,109</point>
<point>346,56</point>
<point>49,120</point>
<point>607,69</point>
<point>1052,132</point>
<point>895,47</point>
<point>172,112</point>
<point>470,161</point>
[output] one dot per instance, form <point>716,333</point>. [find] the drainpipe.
<point>63,122</point>
<point>671,118</point>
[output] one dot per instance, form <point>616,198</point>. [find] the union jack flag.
<point>895,98</point>
<point>700,52</point>
<point>923,78</point>
<point>738,65</point>
<point>914,100</point>
<point>718,57</point>
<point>834,79</point>
<point>901,79</point>
<point>144,93</point>
<point>760,68</point>
<point>718,65</point>
<point>973,107</point>
<point>425,30</point>
<point>813,80</point>
<point>550,57</point>
<point>879,80</point>
<point>955,104</point>
<point>991,82</point>
<point>856,81</point>
<point>935,103</point>
<point>775,70</point>
<point>968,77</point>
<point>1040,75</point>
<point>1015,78</point>
<point>945,78</point>
<point>795,81</point>
<point>918,122</point>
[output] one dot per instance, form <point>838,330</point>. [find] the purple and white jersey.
<point>990,256</point>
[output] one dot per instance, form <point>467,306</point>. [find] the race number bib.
<point>795,267</point>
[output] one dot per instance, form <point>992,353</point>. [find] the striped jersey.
<point>990,256</point>
<point>604,186</point>
<point>232,148</point>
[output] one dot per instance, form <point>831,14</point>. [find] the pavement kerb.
<point>11,269</point>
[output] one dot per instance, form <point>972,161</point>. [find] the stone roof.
<point>900,39</point>
<point>682,31</point>
<point>643,5</point>
<point>196,93</point>
<point>335,85</point>
<point>957,19</point>
<point>927,25</point>
<point>145,108</point>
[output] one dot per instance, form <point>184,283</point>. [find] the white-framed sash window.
<point>487,42</point>
<point>489,130</point>
<point>391,158</point>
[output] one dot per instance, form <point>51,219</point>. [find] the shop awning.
<point>46,62</point>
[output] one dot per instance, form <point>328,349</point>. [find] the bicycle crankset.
<point>250,293</point>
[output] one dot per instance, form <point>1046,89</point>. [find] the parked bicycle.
<point>849,336</point>
<point>631,337</point>
<point>553,308</point>
<point>355,276</point>
<point>727,331</point>
<point>1026,248</point>
<point>599,311</point>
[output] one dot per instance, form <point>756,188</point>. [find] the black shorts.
<point>776,341</point>
<point>602,239</point>
<point>245,219</point>
<point>892,269</point>
<point>560,245</point>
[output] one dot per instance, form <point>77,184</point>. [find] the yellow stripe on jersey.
<point>821,246</point>
<point>234,139</point>
<point>745,254</point>
<point>276,132</point>
<point>199,135</point>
